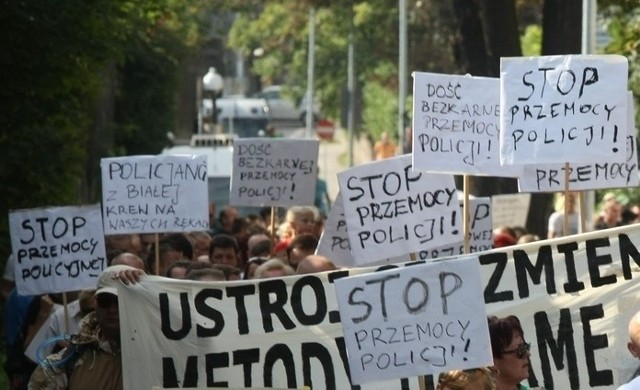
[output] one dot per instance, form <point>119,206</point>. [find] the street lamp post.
<point>212,83</point>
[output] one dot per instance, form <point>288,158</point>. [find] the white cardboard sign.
<point>57,249</point>
<point>587,176</point>
<point>274,172</point>
<point>456,125</point>
<point>392,210</point>
<point>154,194</point>
<point>558,109</point>
<point>334,241</point>
<point>416,320</point>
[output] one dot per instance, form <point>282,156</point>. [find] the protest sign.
<point>57,249</point>
<point>558,109</point>
<point>573,295</point>
<point>274,172</point>
<point>456,125</point>
<point>414,321</point>
<point>588,176</point>
<point>334,241</point>
<point>154,194</point>
<point>392,210</point>
<point>510,209</point>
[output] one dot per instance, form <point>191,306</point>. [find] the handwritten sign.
<point>334,241</point>
<point>57,249</point>
<point>153,194</point>
<point>274,172</point>
<point>558,109</point>
<point>416,320</point>
<point>456,125</point>
<point>510,209</point>
<point>602,174</point>
<point>392,210</point>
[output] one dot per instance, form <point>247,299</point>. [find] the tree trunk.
<point>562,28</point>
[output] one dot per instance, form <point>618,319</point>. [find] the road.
<point>332,155</point>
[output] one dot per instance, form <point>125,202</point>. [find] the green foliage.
<point>59,64</point>
<point>531,41</point>
<point>380,110</point>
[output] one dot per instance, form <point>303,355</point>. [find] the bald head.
<point>634,335</point>
<point>129,259</point>
<point>313,264</point>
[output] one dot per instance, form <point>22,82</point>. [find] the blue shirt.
<point>15,314</point>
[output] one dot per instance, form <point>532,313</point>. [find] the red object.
<point>503,239</point>
<point>325,129</point>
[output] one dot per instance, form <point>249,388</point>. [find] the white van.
<point>237,115</point>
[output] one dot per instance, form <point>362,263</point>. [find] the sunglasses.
<point>521,350</point>
<point>106,300</point>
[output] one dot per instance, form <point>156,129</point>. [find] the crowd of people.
<point>235,248</point>
<point>612,213</point>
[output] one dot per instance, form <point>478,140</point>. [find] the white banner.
<point>574,297</point>
<point>274,172</point>
<point>57,249</point>
<point>154,194</point>
<point>558,109</point>
<point>456,123</point>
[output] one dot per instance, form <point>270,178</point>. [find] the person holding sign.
<point>92,360</point>
<point>510,352</point>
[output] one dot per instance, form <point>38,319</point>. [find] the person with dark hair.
<point>179,269</point>
<point>181,243</point>
<point>300,247</point>
<point>206,275</point>
<point>167,255</point>
<point>224,224</point>
<point>230,273</point>
<point>250,268</point>
<point>224,250</point>
<point>510,352</point>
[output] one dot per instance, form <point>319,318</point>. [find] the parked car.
<point>283,108</point>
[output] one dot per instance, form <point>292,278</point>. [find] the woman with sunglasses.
<point>510,352</point>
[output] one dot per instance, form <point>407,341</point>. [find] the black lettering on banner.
<point>544,335</point>
<point>318,351</point>
<point>594,261</point>
<point>246,357</point>
<point>593,343</point>
<point>490,293</point>
<point>277,288</point>
<point>342,348</point>
<point>209,312</point>
<point>523,267</point>
<point>165,317</point>
<point>627,249</point>
<point>238,293</point>
<point>279,352</point>
<point>213,361</point>
<point>320,299</point>
<point>170,376</point>
<point>573,284</point>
